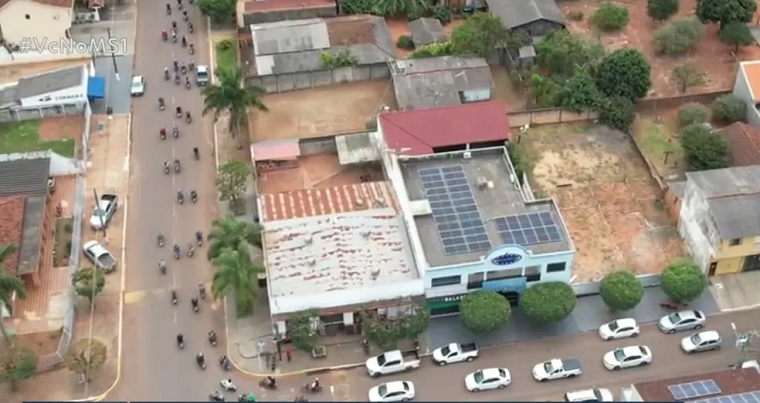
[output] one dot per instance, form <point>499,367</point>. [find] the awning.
<point>276,150</point>
<point>96,87</point>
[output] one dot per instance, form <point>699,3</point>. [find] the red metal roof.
<point>421,130</point>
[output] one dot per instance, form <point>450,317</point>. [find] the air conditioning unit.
<point>309,240</point>
<point>467,155</point>
<point>312,262</point>
<point>482,183</point>
<point>366,234</point>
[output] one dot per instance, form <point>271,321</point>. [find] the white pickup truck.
<point>390,362</point>
<point>557,369</point>
<point>454,352</point>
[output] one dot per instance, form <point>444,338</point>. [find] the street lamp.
<point>743,343</point>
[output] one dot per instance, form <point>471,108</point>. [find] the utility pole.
<point>744,344</point>
<point>101,213</point>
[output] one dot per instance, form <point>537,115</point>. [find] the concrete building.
<point>440,81</point>
<point>747,88</point>
<point>533,18</point>
<point>426,30</point>
<point>726,386</point>
<point>261,11</point>
<point>472,226</point>
<point>720,221</point>
<point>43,19</point>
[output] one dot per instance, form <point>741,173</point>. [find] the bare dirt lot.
<point>321,111</point>
<point>606,196</point>
<point>711,56</point>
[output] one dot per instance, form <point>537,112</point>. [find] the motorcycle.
<point>175,132</point>
<point>183,69</point>
<point>177,80</point>
<point>195,306</point>
<point>196,154</point>
<point>160,240</point>
<point>176,166</point>
<point>192,49</point>
<point>179,112</point>
<point>188,118</point>
<point>300,399</point>
<point>202,291</point>
<point>162,134</point>
<point>309,389</point>
<point>174,37</point>
<point>224,363</point>
<point>176,66</point>
<point>166,169</point>
<point>177,253</point>
<point>190,250</point>
<point>216,397</point>
<point>187,84</point>
<point>162,267</point>
<point>266,385</point>
<point>174,298</point>
<point>161,105</point>
<point>190,28</point>
<point>180,342</point>
<point>228,385</point>
<point>212,339</point>
<point>164,36</point>
<point>194,196</point>
<point>201,362</point>
<point>166,75</point>
<point>184,15</point>
<point>184,42</point>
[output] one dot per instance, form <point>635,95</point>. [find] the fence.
<point>548,116</point>
<point>592,288</point>
<point>653,104</point>
<point>16,114</point>
<point>277,83</point>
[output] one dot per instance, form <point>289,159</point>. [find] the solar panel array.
<point>455,212</point>
<point>747,397</point>
<point>528,229</point>
<point>690,390</point>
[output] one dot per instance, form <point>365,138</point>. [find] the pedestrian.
<point>288,354</point>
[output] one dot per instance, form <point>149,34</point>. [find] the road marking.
<point>175,317</point>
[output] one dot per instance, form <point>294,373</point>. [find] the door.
<point>751,263</point>
<point>713,267</point>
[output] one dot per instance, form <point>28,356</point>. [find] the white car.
<point>627,357</point>
<point>619,329</point>
<point>398,391</point>
<point>589,395</point>
<point>702,341</point>
<point>138,86</point>
<point>484,379</point>
<point>99,256</point>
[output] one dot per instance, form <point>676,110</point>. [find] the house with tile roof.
<point>743,142</point>
<point>42,19</point>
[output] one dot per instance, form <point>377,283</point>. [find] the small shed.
<point>426,30</point>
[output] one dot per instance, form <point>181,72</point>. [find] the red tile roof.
<point>730,381</point>
<point>334,200</point>
<point>11,226</point>
<point>56,3</point>
<point>256,6</point>
<point>421,130</point>
<point>744,142</point>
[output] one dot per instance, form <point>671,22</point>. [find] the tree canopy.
<point>16,364</point>
<point>661,10</point>
<point>88,282</point>
<point>10,285</point>
<point>231,96</point>
<point>229,233</point>
<point>232,178</point>
<point>85,355</point>
<point>704,148</point>
<point>625,73</point>
<point>300,329</point>
<point>386,332</point>
<point>621,290</point>
<point>729,108</point>
<point>479,35</point>
<point>617,113</point>
<point>683,281</point>
<point>235,271</point>
<point>692,113</point>
<point>726,11</point>
<point>687,75</point>
<point>218,10</point>
<point>678,36</point>
<point>561,52</point>
<point>610,17</point>
<point>484,311</point>
<point>579,92</point>
<point>548,302</point>
<point>736,34</point>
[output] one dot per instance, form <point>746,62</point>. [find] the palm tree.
<point>9,285</point>
<point>231,95</point>
<point>229,233</point>
<point>236,271</point>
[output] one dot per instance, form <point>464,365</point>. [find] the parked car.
<point>589,395</point>
<point>702,341</point>
<point>398,391</point>
<point>390,362</point>
<point>138,86</point>
<point>99,256</point>
<point>682,320</point>
<point>485,379</point>
<point>619,329</point>
<point>557,369</point>
<point>201,75</point>
<point>104,211</point>
<point>452,353</point>
<point>627,357</point>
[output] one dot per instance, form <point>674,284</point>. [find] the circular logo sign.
<point>506,259</point>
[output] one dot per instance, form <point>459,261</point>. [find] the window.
<point>475,281</point>
<point>555,267</point>
<point>27,17</point>
<point>533,273</point>
<point>735,242</point>
<point>503,274</point>
<point>444,281</point>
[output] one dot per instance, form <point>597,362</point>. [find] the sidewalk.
<point>589,314</point>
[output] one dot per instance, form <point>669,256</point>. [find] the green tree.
<point>579,92</point>
<point>729,108</point>
<point>726,11</point>
<point>302,333</point>
<point>85,356</point>
<point>484,311</point>
<point>625,73</point>
<point>515,152</point>
<point>692,113</point>
<point>218,10</point>
<point>88,282</point>
<point>687,75</point>
<point>617,113</point>
<point>560,52</point>
<point>610,17</point>
<point>230,233</point>
<point>543,90</point>
<point>386,332</point>
<point>235,271</point>
<point>16,364</point>
<point>736,34</point>
<point>661,10</point>
<point>10,285</point>
<point>230,96</point>
<point>678,37</point>
<point>683,281</point>
<point>704,148</point>
<point>548,302</point>
<point>621,290</point>
<point>231,182</point>
<point>479,35</point>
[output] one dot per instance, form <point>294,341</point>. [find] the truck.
<point>99,256</point>
<point>455,352</point>
<point>103,211</point>
<point>390,362</point>
<point>557,368</point>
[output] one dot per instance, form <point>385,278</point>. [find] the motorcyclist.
<point>200,358</point>
<point>212,336</point>
<point>194,302</point>
<point>184,40</point>
<point>192,49</point>
<point>314,385</point>
<point>300,398</point>
<point>166,169</point>
<point>187,116</point>
<point>190,249</point>
<point>196,153</point>
<point>271,382</point>
<point>176,249</point>
<point>191,64</point>
<point>162,132</point>
<point>166,73</point>
<point>187,81</point>
<point>174,35</point>
<point>184,14</point>
<point>176,66</point>
<point>190,26</point>
<point>179,110</point>
<point>175,131</point>
<point>177,80</point>
<point>164,35</point>
<point>162,266</point>
<point>183,67</point>
<point>174,300</point>
<point>174,25</point>
<point>199,237</point>
<point>180,338</point>
<point>160,102</point>
<point>161,234</point>
<point>180,197</point>
<point>177,164</point>
<point>202,290</point>
<point>168,7</point>
<point>193,194</point>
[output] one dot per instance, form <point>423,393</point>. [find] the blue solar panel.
<point>690,390</point>
<point>455,212</point>
<point>528,229</point>
<point>747,397</point>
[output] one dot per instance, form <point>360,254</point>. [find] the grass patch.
<point>62,241</point>
<point>24,137</point>
<point>226,54</point>
<point>658,140</point>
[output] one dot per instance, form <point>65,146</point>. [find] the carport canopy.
<point>276,150</point>
<point>96,87</point>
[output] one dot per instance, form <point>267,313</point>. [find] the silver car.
<point>682,320</point>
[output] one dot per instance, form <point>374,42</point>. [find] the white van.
<point>589,395</point>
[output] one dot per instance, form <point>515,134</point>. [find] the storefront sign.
<point>506,285</point>
<point>506,259</point>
